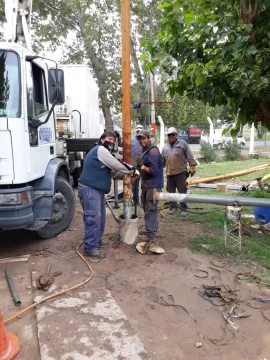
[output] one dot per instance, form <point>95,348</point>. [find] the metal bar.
<point>153,111</point>
<point>116,200</point>
<point>12,287</point>
<point>157,102</point>
<point>111,210</point>
<point>212,199</point>
<point>127,197</point>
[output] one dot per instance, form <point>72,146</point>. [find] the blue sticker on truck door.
<point>45,135</point>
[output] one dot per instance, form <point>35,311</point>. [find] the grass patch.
<point>255,247</point>
<point>225,167</point>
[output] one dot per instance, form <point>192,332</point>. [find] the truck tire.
<point>63,210</point>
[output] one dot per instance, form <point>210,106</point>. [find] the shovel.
<point>144,246</point>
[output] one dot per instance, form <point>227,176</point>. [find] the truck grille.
<point>6,160</point>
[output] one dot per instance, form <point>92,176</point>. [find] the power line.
<point>73,24</point>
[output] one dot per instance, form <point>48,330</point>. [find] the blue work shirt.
<point>152,159</point>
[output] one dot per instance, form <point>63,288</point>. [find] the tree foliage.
<point>2,17</point>
<point>217,52</point>
<point>87,31</point>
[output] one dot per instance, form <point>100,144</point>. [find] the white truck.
<point>35,189</point>
<point>82,102</point>
<point>79,118</point>
<point>217,140</point>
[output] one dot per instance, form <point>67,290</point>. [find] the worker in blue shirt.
<point>100,165</point>
<point>151,169</point>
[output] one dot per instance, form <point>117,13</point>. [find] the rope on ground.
<point>58,293</point>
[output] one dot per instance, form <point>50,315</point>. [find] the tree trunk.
<point>135,61</point>
<point>108,117</point>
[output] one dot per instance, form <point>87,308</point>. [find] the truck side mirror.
<point>56,86</point>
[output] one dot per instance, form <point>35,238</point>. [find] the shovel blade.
<point>142,247</point>
<point>154,248</point>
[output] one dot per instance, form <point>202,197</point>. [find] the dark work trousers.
<point>135,190</point>
<point>150,212</point>
<point>94,215</point>
<point>179,182</point>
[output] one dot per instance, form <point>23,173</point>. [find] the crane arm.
<point>18,16</point>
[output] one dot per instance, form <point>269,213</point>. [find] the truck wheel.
<point>63,210</point>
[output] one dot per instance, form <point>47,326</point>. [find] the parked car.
<point>191,136</point>
<point>239,138</point>
<point>183,136</point>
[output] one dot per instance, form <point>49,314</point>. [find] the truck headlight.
<point>26,197</point>
<point>22,198</point>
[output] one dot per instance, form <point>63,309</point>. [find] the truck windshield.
<point>9,84</point>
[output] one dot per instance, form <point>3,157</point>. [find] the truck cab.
<point>35,192</point>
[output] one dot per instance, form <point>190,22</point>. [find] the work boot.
<point>103,243</point>
<point>143,232</point>
<point>96,254</point>
<point>173,211</point>
<point>146,238</point>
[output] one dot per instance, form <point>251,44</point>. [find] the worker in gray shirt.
<point>177,155</point>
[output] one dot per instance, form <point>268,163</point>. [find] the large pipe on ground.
<point>12,287</point>
<point>255,182</point>
<point>228,176</point>
<point>212,199</point>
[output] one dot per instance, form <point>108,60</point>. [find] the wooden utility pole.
<point>126,104</point>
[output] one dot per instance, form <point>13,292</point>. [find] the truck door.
<point>41,139</point>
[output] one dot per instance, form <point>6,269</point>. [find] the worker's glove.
<point>139,162</point>
<point>135,174</point>
<point>192,170</point>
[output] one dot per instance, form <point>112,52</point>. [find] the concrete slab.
<point>86,324</point>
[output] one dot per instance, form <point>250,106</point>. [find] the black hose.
<point>80,118</point>
<point>12,287</point>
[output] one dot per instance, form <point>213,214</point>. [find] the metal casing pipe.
<point>228,187</point>
<point>212,199</point>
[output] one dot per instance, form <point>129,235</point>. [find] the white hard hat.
<point>171,130</point>
<point>139,127</point>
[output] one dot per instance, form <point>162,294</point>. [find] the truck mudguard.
<point>44,188</point>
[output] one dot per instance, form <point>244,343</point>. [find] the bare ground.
<point>136,283</point>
